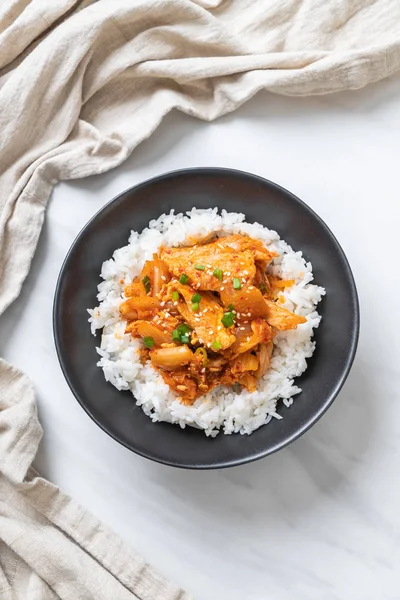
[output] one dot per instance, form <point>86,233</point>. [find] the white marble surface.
<point>320,519</point>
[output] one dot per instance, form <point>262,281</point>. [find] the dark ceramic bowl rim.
<point>330,397</point>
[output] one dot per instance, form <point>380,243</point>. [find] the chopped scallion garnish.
<point>196,298</point>
<point>195,306</point>
<point>148,342</point>
<point>175,296</point>
<point>176,336</point>
<point>218,274</point>
<point>147,283</point>
<point>236,283</point>
<point>227,320</point>
<point>216,345</point>
<point>200,267</point>
<point>183,279</point>
<point>183,329</point>
<point>181,334</point>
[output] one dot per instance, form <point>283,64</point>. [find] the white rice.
<point>222,409</point>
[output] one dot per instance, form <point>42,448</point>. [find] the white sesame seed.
<point>222,288</point>
<point>249,314</point>
<point>162,303</point>
<point>228,273</point>
<point>208,266</point>
<point>245,272</point>
<point>175,304</point>
<point>242,328</point>
<point>238,314</point>
<point>251,287</point>
<point>219,327</point>
<point>163,277</point>
<point>249,338</point>
<point>243,280</point>
<point>203,370</point>
<point>210,332</point>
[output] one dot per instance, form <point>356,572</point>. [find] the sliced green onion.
<point>218,274</point>
<point>216,345</point>
<point>181,334</point>
<point>227,320</point>
<point>195,306</point>
<point>175,296</point>
<point>147,284</point>
<point>236,283</point>
<point>148,342</point>
<point>183,329</point>
<point>200,267</point>
<point>176,336</point>
<point>231,308</point>
<point>183,279</point>
<point>196,298</point>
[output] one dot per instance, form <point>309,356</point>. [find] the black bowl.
<point>115,412</point>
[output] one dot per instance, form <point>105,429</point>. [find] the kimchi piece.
<point>208,313</point>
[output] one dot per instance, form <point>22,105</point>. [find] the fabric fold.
<point>54,543</point>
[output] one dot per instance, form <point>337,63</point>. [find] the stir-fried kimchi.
<point>207,314</point>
